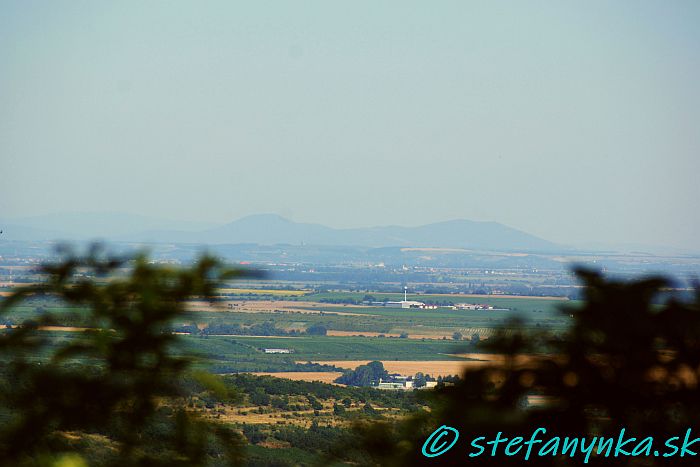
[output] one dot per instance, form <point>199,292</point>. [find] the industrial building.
<point>406,303</point>
<point>404,384</point>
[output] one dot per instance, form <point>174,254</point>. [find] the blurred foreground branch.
<point>118,382</point>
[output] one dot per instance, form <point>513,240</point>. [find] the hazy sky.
<point>574,121</point>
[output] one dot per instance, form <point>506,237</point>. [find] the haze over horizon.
<point>577,124</point>
<point>274,229</point>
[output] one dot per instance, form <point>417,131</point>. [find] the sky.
<point>575,121</point>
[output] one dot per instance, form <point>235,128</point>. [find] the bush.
<point>317,329</point>
<point>113,379</point>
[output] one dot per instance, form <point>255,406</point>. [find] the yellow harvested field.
<point>409,368</point>
<point>436,367</point>
<point>264,306</point>
<point>322,376</point>
<point>65,328</point>
<point>294,293</point>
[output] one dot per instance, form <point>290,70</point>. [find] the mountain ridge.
<point>270,229</point>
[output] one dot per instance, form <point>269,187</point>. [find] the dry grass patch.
<point>321,376</point>
<point>264,306</point>
<point>437,368</point>
<point>409,368</point>
<point>277,292</point>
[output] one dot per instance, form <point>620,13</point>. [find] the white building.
<point>277,350</point>
<point>472,306</point>
<point>395,385</point>
<point>406,304</point>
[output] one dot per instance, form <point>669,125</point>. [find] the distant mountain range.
<point>270,229</point>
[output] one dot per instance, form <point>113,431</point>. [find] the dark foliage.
<point>364,375</point>
<point>277,387</point>
<point>120,379</point>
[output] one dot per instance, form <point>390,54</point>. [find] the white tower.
<point>405,291</point>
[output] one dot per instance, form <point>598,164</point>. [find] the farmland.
<point>322,330</point>
<point>274,292</point>
<point>409,368</point>
<point>236,353</point>
<point>354,333</point>
<point>321,376</point>
<point>229,332</point>
<point>430,323</point>
<point>520,302</point>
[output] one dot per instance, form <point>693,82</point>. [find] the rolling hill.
<point>271,229</point>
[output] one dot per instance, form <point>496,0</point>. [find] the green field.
<point>513,303</point>
<point>245,353</point>
<point>379,319</point>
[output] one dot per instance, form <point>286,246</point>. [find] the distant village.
<point>406,303</point>
<point>425,306</point>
